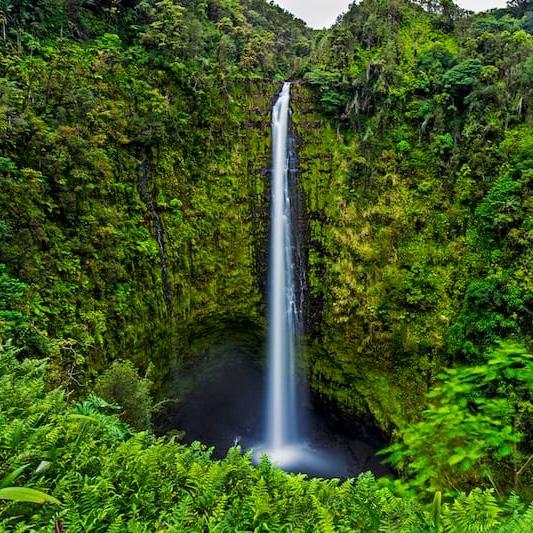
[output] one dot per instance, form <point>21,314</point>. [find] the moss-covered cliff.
<point>415,131</point>
<point>352,345</point>
<point>133,166</point>
<point>134,247</point>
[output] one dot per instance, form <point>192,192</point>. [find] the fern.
<point>325,523</point>
<point>478,512</point>
<point>260,500</point>
<point>90,411</point>
<point>217,515</point>
<point>520,522</point>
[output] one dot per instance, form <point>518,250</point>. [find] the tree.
<point>520,7</point>
<point>449,13</point>
<point>501,207</point>
<point>330,87</point>
<point>461,78</point>
<point>163,28</point>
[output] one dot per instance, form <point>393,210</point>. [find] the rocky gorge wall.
<point>352,345</point>
<point>136,216</point>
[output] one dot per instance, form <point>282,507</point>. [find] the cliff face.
<point>407,274</point>
<point>414,144</point>
<point>138,217</point>
<point>217,236</point>
<point>134,187</point>
<point>134,148</point>
<point>351,348</point>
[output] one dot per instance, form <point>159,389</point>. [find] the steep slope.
<point>419,192</point>
<point>134,144</point>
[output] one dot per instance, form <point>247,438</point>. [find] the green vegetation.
<point>109,478</point>
<point>475,428</point>
<point>128,172</point>
<point>134,154</point>
<point>120,384</point>
<point>420,246</point>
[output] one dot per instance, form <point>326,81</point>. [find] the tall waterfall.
<point>284,304</point>
<point>290,438</point>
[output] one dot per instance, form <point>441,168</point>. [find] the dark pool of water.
<point>220,402</point>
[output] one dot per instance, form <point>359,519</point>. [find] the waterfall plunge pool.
<point>219,401</point>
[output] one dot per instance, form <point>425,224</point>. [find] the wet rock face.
<point>148,197</point>
<point>311,302</point>
<point>300,229</point>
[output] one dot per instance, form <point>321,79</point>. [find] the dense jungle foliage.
<point>134,154</point>
<point>423,224</point>
<point>106,477</point>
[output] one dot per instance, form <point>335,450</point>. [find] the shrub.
<point>476,420</point>
<point>121,384</point>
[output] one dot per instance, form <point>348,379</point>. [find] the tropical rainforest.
<point>134,205</point>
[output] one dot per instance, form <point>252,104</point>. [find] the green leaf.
<point>13,476</point>
<point>84,418</point>
<point>23,494</point>
<point>505,450</point>
<point>454,459</point>
<point>436,508</point>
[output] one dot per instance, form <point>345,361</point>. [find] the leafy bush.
<point>501,206</point>
<point>329,84</point>
<point>12,292</point>
<point>121,384</point>
<point>477,420</point>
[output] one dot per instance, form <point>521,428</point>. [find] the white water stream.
<point>283,315</point>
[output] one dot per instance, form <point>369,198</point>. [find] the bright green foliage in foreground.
<point>109,478</point>
<point>23,494</point>
<point>476,428</point>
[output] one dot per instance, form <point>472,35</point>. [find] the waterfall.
<point>284,304</point>
<point>289,439</point>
